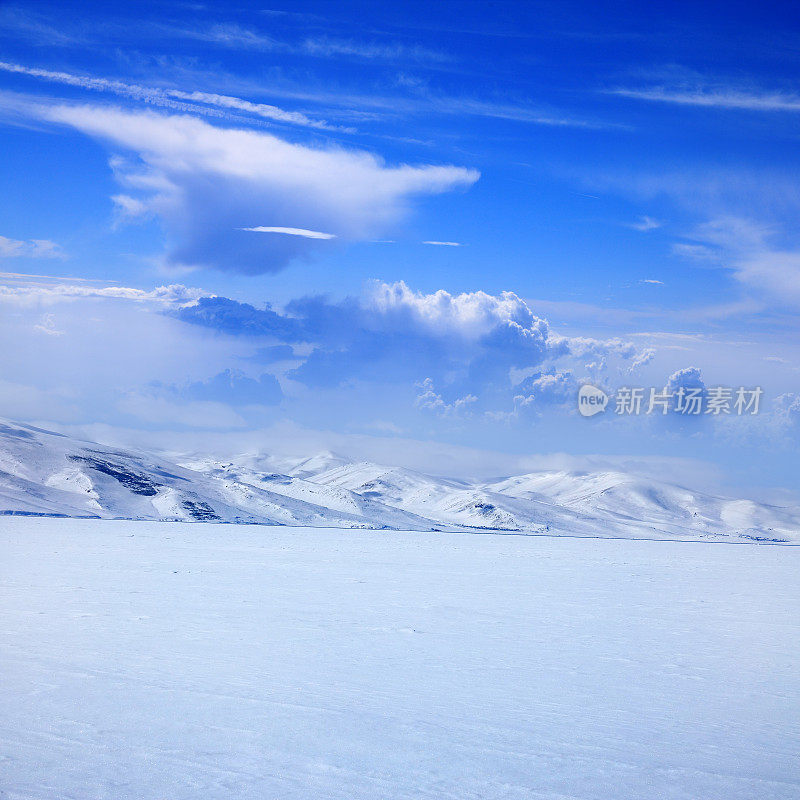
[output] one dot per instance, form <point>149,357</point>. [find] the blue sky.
<point>403,228</point>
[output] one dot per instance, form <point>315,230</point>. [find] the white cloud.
<point>175,294</point>
<point>174,99</point>
<point>233,35</point>
<point>645,224</point>
<point>774,272</point>
<point>264,110</point>
<point>708,97</point>
<point>696,252</point>
<point>746,247</point>
<point>430,400</point>
<point>33,248</point>
<point>47,325</point>
<point>442,104</point>
<point>292,232</point>
<point>205,183</point>
<point>129,206</point>
<point>652,280</point>
<point>80,350</point>
<point>326,46</point>
<point>470,315</point>
<point>27,277</point>
<point>542,389</point>
<point>641,360</point>
<point>583,346</point>
<point>444,244</point>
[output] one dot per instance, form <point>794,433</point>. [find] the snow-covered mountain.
<point>42,472</point>
<point>582,503</point>
<point>627,500</point>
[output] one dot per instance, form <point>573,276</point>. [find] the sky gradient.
<point>407,231</point>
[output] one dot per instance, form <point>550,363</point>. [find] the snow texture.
<point>146,661</point>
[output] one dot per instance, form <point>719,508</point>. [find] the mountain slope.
<point>629,500</point>
<point>42,472</point>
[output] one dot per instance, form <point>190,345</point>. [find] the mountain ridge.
<point>47,473</point>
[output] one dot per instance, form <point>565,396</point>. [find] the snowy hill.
<point>46,473</point>
<point>629,500</point>
<point>42,472</point>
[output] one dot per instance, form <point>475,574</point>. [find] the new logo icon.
<point>591,400</point>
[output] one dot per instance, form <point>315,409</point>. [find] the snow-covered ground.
<point>159,661</point>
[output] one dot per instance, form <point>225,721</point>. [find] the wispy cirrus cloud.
<point>28,278</point>
<point>753,252</point>
<point>350,106</point>
<point>210,103</point>
<point>390,51</point>
<point>44,29</point>
<point>238,36</point>
<point>644,224</point>
<point>39,28</point>
<point>514,112</point>
<point>417,99</point>
<point>714,97</point>
<point>32,248</point>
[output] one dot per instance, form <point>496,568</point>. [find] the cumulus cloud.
<point>207,183</point>
<point>786,410</point>
<point>439,352</point>
<point>470,341</point>
<point>686,378</point>
<point>471,315</point>
<point>583,346</point>
<point>395,334</point>
<point>430,400</point>
<point>240,319</point>
<point>554,387</point>
<point>685,383</point>
<point>641,360</point>
<point>471,344</point>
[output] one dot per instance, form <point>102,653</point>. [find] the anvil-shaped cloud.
<point>209,184</point>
